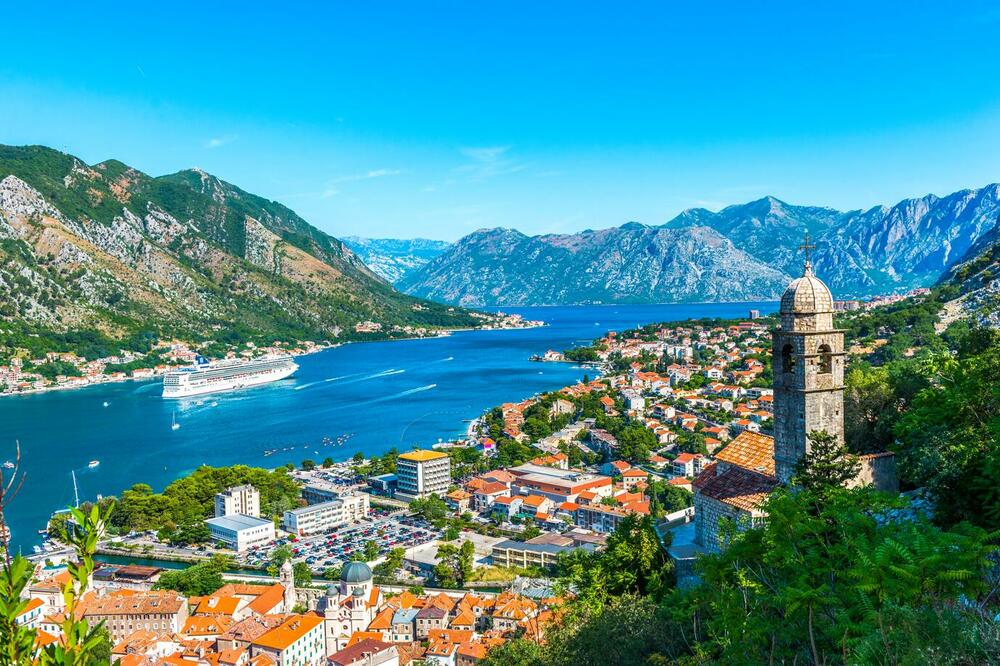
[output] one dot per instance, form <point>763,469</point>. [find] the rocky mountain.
<point>629,264</point>
<point>859,253</point>
<point>977,279</point>
<point>111,249</point>
<point>394,258</point>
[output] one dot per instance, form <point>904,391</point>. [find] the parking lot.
<point>334,548</point>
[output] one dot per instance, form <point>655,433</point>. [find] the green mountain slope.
<point>109,248</point>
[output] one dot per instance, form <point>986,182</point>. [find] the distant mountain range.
<point>743,252</point>
<point>394,258</point>
<point>111,249</point>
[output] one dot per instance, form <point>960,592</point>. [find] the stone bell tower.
<point>808,358</point>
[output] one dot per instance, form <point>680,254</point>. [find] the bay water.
<point>379,395</point>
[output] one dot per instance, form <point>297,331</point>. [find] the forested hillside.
<point>109,253</point>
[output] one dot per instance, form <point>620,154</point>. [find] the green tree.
<point>431,508</point>
<point>370,551</point>
<point>826,466</point>
<point>82,643</point>
<point>301,574</point>
<point>199,579</point>
<point>635,442</point>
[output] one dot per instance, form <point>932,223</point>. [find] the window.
<point>825,360</point>
<point>787,359</point>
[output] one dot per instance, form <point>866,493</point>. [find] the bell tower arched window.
<point>825,360</point>
<point>787,359</point>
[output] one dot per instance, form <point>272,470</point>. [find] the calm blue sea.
<point>384,394</point>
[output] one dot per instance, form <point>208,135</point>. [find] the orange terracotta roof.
<point>750,450</point>
<point>466,618</point>
<point>165,602</point>
<point>32,605</point>
<point>492,488</point>
<point>218,606</point>
<point>744,489</point>
<point>268,599</point>
<point>359,636</point>
<point>289,631</point>
<point>449,635</point>
<point>383,620</point>
<point>201,625</point>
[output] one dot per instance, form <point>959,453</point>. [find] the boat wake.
<point>384,373</point>
<point>394,396</point>
<point>415,390</point>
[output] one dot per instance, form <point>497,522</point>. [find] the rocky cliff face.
<point>394,258</point>
<point>740,252</point>
<point>111,248</point>
<point>977,279</point>
<point>629,264</point>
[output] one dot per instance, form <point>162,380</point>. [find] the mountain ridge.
<point>394,258</point>
<point>859,253</point>
<point>112,249</point>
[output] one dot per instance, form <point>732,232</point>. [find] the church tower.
<point>808,358</point>
<point>287,579</point>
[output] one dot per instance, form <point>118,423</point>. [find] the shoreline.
<point>445,333</point>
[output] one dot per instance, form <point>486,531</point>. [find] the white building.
<point>238,500</point>
<point>241,532</point>
<point>421,473</point>
<point>326,516</point>
<point>298,641</point>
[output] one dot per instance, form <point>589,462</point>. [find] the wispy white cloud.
<point>329,192</point>
<point>219,141</point>
<point>368,175</point>
<point>488,162</point>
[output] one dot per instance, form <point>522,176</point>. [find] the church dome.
<point>356,572</point>
<point>807,295</point>
<point>332,590</point>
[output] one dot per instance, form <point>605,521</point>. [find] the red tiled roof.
<point>738,487</point>
<point>750,450</point>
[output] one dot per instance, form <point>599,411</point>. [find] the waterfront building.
<point>239,532</point>
<point>161,611</point>
<point>298,641</point>
<point>238,500</point>
<point>421,473</point>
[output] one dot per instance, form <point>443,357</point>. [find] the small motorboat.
<point>93,463</point>
<point>174,425</point>
<point>106,403</point>
<point>8,465</point>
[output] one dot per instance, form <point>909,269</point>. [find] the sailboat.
<point>174,425</point>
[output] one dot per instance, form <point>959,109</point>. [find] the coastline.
<point>108,379</point>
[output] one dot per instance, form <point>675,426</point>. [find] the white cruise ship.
<point>205,377</point>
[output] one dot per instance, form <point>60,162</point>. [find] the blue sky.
<point>437,118</point>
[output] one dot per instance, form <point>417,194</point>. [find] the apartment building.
<point>238,500</point>
<point>421,473</point>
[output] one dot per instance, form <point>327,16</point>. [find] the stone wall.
<point>709,512</point>
<point>879,470</point>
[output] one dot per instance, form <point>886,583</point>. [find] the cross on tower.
<point>806,247</point>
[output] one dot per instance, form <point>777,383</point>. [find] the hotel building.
<point>421,473</point>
